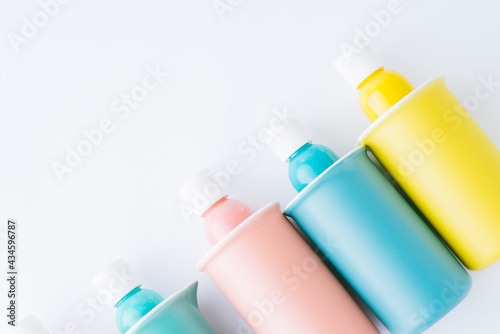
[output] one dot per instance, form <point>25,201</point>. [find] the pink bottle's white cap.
<point>202,191</point>
<point>116,281</point>
<point>289,139</point>
<point>29,325</point>
<point>357,67</point>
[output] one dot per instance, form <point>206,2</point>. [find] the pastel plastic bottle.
<point>267,270</point>
<point>28,325</point>
<point>436,152</point>
<point>370,233</point>
<point>141,311</point>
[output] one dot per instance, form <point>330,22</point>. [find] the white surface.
<point>225,79</point>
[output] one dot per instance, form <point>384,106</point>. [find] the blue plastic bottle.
<point>370,233</point>
<point>142,311</point>
<point>308,162</point>
<point>134,306</point>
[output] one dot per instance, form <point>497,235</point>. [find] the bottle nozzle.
<point>209,199</point>
<point>202,191</point>
<point>116,281</point>
<point>355,68</point>
<point>288,140</point>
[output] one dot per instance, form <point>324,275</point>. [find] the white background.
<point>226,76</point>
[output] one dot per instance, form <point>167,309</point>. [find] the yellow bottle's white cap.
<point>357,67</point>
<point>115,282</point>
<point>202,191</point>
<point>289,139</point>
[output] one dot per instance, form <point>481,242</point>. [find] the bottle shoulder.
<point>223,217</point>
<point>309,163</point>
<point>311,152</point>
<point>382,91</point>
<point>135,306</point>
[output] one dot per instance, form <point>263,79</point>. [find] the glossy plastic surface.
<point>223,217</point>
<point>277,283</point>
<point>134,306</point>
<point>308,163</point>
<point>177,314</point>
<point>379,244</point>
<point>381,90</point>
<point>448,167</point>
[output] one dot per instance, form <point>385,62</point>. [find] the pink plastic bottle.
<point>267,270</point>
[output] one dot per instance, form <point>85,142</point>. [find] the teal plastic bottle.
<point>142,311</point>
<point>370,233</point>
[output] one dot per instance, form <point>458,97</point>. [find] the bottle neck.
<point>127,296</point>
<point>309,162</point>
<point>223,217</point>
<point>214,206</point>
<point>381,90</point>
<point>302,149</point>
<point>370,77</point>
<point>135,306</point>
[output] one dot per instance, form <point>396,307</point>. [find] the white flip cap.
<point>202,191</point>
<point>357,67</point>
<point>30,325</point>
<point>288,140</point>
<point>116,281</point>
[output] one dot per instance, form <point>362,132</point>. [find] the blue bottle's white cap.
<point>29,325</point>
<point>289,139</point>
<point>202,191</point>
<point>357,67</point>
<point>115,282</point>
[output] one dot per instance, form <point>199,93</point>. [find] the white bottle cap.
<point>202,191</point>
<point>30,325</point>
<point>356,68</point>
<point>289,139</point>
<point>116,281</point>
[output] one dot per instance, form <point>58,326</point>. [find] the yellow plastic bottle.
<point>436,152</point>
